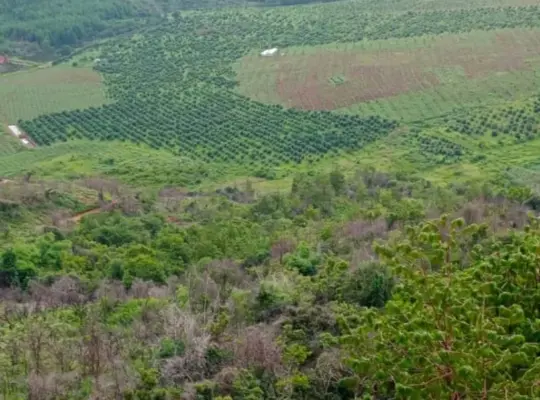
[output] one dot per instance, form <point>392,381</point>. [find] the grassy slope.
<point>484,158</point>
<point>40,91</point>
<point>142,166</point>
<point>8,144</point>
<point>137,165</point>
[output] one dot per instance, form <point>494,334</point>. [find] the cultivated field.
<point>9,144</point>
<point>28,94</point>
<point>175,86</point>
<point>409,79</point>
<point>428,5</point>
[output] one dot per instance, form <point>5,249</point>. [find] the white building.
<point>269,52</point>
<point>15,131</point>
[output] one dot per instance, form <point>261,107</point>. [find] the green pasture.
<point>8,144</point>
<point>137,165</point>
<point>37,91</point>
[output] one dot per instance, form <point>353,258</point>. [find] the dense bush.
<point>246,302</point>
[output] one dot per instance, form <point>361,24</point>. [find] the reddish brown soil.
<point>77,217</point>
<point>303,80</point>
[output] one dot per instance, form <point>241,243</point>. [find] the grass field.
<point>137,165</point>
<point>8,144</point>
<point>406,79</point>
<point>30,93</point>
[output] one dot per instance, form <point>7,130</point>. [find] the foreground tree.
<point>457,327</point>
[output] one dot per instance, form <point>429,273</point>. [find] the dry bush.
<point>516,216</point>
<point>60,219</point>
<point>181,324</point>
<point>50,386</point>
<point>500,214</point>
<point>101,185</point>
<point>14,294</point>
<point>23,193</point>
<point>374,179</point>
<point>475,211</point>
<point>329,369</point>
<point>190,367</point>
<point>129,204</point>
<point>364,253</point>
<point>225,379</point>
<point>102,357</point>
<point>139,289</point>
<point>159,292</point>
<point>68,291</point>
<point>362,230</point>
<point>282,247</point>
<point>255,348</point>
<point>204,292</point>
<point>172,198</point>
<point>113,291</point>
<point>189,392</point>
<point>65,291</point>
<point>11,312</point>
<point>145,289</point>
<point>150,325</point>
<point>227,273</point>
<point>173,283</point>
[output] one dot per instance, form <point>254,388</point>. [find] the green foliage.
<point>230,306</point>
<point>12,273</point>
<point>519,122</point>
<point>296,354</point>
<point>247,387</point>
<point>63,26</point>
<point>457,331</point>
<point>171,348</point>
<point>303,260</point>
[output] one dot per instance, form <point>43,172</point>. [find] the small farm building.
<point>269,52</point>
<point>3,60</point>
<point>15,131</point>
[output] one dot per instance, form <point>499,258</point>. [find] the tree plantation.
<point>354,214</point>
<point>164,80</point>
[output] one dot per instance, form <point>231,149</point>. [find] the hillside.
<point>354,217</point>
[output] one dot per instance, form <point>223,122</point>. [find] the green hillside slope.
<point>356,216</point>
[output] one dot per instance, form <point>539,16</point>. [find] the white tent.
<point>15,130</point>
<point>269,52</point>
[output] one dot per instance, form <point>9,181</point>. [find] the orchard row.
<point>214,126</point>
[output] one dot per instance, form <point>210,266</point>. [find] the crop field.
<point>430,5</point>
<point>195,86</point>
<point>28,94</point>
<point>342,76</point>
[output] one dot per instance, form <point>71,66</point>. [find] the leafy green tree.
<point>303,260</point>
<point>13,274</point>
<point>454,333</point>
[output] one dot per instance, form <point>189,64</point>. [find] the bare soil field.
<point>338,76</point>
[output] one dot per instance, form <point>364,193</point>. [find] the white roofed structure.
<point>15,130</point>
<point>269,52</point>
